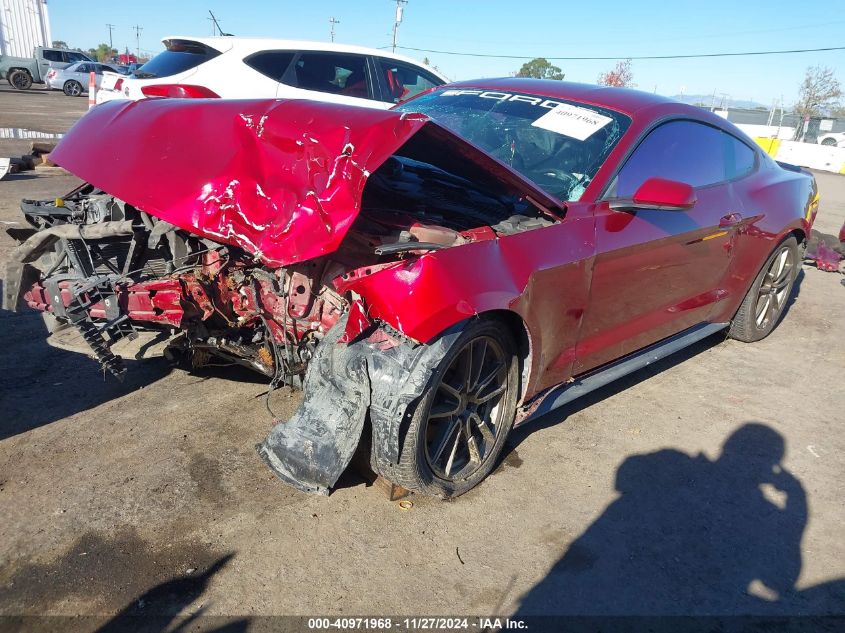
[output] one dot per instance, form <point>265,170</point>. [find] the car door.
<point>657,272</point>
<point>50,59</point>
<point>329,76</point>
<point>80,73</point>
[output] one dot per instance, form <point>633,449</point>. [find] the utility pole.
<point>110,27</point>
<point>332,22</point>
<point>398,20</point>
<point>138,30</point>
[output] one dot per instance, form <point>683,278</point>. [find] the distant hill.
<point>706,100</point>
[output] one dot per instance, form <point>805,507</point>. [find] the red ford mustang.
<point>463,263</point>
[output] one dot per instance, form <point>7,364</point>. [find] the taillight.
<point>51,74</point>
<point>179,91</point>
<point>118,84</point>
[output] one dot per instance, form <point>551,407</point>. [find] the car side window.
<point>739,158</point>
<point>76,57</point>
<point>53,56</point>
<point>272,64</point>
<point>685,151</point>
<point>81,68</point>
<point>404,81</point>
<point>341,74</point>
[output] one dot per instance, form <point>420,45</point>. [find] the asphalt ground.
<point>147,498</point>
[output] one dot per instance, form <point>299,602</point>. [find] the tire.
<point>72,88</point>
<point>430,461</point>
<point>829,142</point>
<point>763,305</point>
<point>20,80</point>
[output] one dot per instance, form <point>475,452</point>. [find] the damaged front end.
<point>243,232</point>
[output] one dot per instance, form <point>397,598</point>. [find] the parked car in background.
<point>834,139</point>
<point>242,68</point>
<point>74,79</point>
<point>22,72</point>
<point>438,273</point>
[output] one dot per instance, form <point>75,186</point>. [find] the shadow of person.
<point>687,536</point>
<point>162,606</point>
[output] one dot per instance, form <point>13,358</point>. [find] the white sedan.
<point>239,68</point>
<point>73,80</point>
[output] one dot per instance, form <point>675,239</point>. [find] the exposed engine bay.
<point>121,273</point>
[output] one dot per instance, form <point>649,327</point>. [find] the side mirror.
<point>659,193</point>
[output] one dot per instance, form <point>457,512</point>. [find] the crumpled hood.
<point>281,179</point>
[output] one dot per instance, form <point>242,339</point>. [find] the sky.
<point>528,28</point>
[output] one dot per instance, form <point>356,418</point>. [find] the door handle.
<point>730,220</point>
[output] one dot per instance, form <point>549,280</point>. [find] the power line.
<point>700,55</point>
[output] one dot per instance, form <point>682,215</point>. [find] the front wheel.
<point>763,306</point>
<point>72,88</point>
<point>20,80</point>
<point>460,424</point>
<point>829,142</point>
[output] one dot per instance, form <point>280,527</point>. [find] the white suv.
<point>244,68</point>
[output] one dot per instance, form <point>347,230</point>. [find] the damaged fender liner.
<point>343,383</point>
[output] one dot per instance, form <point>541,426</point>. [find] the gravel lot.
<point>147,497</point>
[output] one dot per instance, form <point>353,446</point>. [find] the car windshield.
<point>557,144</point>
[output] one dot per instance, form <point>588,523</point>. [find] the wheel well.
<point>516,326</point>
<point>799,235</point>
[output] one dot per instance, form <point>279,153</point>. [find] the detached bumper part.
<point>313,448</point>
<point>343,384</point>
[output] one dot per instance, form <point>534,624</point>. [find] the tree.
<point>819,93</point>
<point>540,68</point>
<point>103,52</point>
<point>60,44</point>
<point>620,77</point>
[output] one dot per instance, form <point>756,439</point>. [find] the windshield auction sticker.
<point>570,120</point>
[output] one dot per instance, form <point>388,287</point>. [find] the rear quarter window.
<point>739,158</point>
<point>53,56</point>
<point>179,56</point>
<point>272,64</point>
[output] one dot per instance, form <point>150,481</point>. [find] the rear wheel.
<point>763,306</point>
<point>72,88</point>
<point>464,416</point>
<point>829,141</point>
<point>20,80</point>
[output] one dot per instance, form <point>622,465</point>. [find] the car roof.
<point>623,100</point>
<point>246,45</point>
